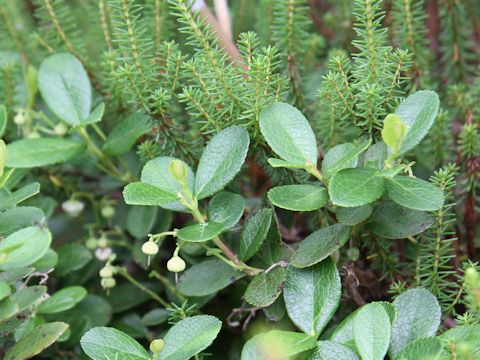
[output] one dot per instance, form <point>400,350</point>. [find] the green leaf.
<point>200,232</point>
<point>47,262</point>
<point>29,153</point>
<point>393,132</point>
<point>71,257</point>
<point>277,344</point>
<point>342,157</point>
<point>354,215</point>
<point>464,336</point>
<point>414,193</point>
<point>36,341</point>
<point>3,120</point>
<point>28,296</point>
<point>371,331</point>
<point>207,278</point>
<point>8,308</point>
<point>418,111</point>
<point>4,290</point>
<point>63,299</point>
<point>312,295</point>
<point>124,135</point>
<point>102,343</point>
<point>190,336</point>
<point>393,221</point>
<point>24,247</point>
<point>418,316</point>
<point>254,233</point>
<point>19,217</point>
<point>221,160</point>
<point>265,288</point>
<point>319,245</point>
<point>328,350</point>
<point>425,348</point>
<point>3,157</point>
<point>375,156</point>
<point>139,193</point>
<point>140,220</point>
<point>155,317</point>
<point>65,87</point>
<point>271,250</point>
<point>12,199</point>
<point>355,187</point>
<point>126,296</point>
<point>289,134</point>
<point>96,115</point>
<point>226,208</point>
<point>298,197</point>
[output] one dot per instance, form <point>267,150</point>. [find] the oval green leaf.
<point>226,208</point>
<point>413,193</point>
<point>298,197</point>
<point>125,133</point>
<point>265,288</point>
<point>254,233</point>
<point>63,299</point>
<point>200,232</point>
<point>354,215</point>
<point>342,156</point>
<point>328,350</point>
<point>289,134</point>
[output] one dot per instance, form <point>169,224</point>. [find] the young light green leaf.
<point>393,132</point>
<point>418,111</point>
<point>328,350</point>
<point>414,193</point>
<point>343,156</point>
<point>139,193</point>
<point>63,299</point>
<point>24,247</point>
<point>277,344</point>
<point>418,316</point>
<point>221,160</point>
<point>279,163</point>
<point>3,120</point>
<point>355,187</point>
<point>265,288</point>
<point>190,336</point>
<point>289,134</point>
<point>125,133</point>
<point>29,153</point>
<point>393,221</point>
<point>354,215</point>
<point>319,245</point>
<point>200,232</point>
<point>254,233</point>
<point>8,200</point>
<point>303,197</point>
<point>65,87</point>
<point>312,295</point>
<point>37,340</point>
<point>371,331</point>
<point>102,343</point>
<point>19,217</point>
<point>424,348</point>
<point>226,208</point>
<point>207,278</point>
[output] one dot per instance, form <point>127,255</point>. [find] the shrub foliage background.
<point>303,184</point>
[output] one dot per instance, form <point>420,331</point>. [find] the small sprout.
<point>73,207</point>
<point>176,264</point>
<point>108,283</point>
<point>178,170</point>
<point>157,345</point>
<point>91,243</point>
<point>20,118</point>
<point>150,248</point>
<point>108,211</point>
<point>60,129</point>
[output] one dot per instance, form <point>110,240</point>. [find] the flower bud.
<point>353,253</point>
<point>178,170</point>
<point>108,211</point>
<point>176,264</point>
<point>157,345</point>
<point>106,272</point>
<point>60,129</point>
<point>91,243</point>
<point>102,242</point>
<point>108,283</point>
<point>19,119</point>
<point>150,248</point>
<point>33,135</point>
<point>73,207</point>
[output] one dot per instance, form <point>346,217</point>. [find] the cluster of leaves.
<point>265,198</point>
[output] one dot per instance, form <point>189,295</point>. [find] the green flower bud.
<point>353,253</point>
<point>3,156</point>
<point>33,135</point>
<point>60,129</point>
<point>91,243</point>
<point>157,345</point>
<point>178,170</point>
<point>150,248</point>
<point>102,242</point>
<point>19,119</point>
<point>176,264</point>
<point>108,211</point>
<point>108,283</point>
<point>106,272</point>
